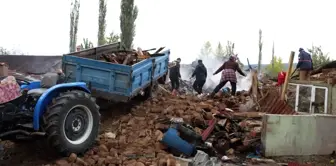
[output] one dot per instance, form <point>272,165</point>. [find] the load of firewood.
<point>129,57</point>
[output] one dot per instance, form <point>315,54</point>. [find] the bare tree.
<point>128,15</point>
<point>260,50</point>
<point>74,17</point>
<point>318,56</point>
<point>86,44</point>
<point>229,49</point>
<point>206,50</point>
<point>4,51</point>
<point>102,22</point>
<point>273,55</point>
<point>112,38</point>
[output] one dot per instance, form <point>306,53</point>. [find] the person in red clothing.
<point>281,79</point>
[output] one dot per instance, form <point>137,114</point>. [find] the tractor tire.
<point>72,122</point>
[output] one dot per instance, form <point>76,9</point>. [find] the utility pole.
<point>260,49</point>
<point>273,56</point>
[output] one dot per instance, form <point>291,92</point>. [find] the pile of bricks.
<point>137,136</point>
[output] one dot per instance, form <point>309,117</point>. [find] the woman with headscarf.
<point>228,69</point>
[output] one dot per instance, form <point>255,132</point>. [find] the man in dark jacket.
<point>201,74</point>
<point>174,75</point>
<point>305,64</point>
<point>228,75</point>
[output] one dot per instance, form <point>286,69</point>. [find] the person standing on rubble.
<point>175,75</point>
<point>305,65</point>
<point>281,80</point>
<point>201,75</point>
<point>228,75</point>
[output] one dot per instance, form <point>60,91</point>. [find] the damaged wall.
<point>284,135</point>
<point>319,96</point>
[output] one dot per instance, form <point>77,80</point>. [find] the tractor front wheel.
<point>72,122</point>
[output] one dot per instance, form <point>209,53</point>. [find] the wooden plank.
<point>255,86</point>
<point>284,90</point>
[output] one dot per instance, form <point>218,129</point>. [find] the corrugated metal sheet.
<point>272,104</point>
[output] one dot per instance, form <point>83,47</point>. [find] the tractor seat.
<point>48,80</point>
<point>38,91</point>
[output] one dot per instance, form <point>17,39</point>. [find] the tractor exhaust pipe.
<point>22,132</point>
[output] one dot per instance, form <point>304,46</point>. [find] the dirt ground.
<point>136,133</point>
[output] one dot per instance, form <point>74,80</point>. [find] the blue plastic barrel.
<point>172,140</point>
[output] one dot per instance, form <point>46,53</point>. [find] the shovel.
<point>293,72</point>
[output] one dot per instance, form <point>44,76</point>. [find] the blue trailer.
<point>116,82</point>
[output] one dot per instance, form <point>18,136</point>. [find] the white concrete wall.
<point>284,135</point>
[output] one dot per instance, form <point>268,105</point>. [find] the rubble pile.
<point>216,127</point>
<point>327,76</point>
<point>186,87</point>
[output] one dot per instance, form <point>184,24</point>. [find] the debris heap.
<point>223,129</point>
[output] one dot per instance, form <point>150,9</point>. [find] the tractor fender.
<point>48,95</point>
<point>31,85</point>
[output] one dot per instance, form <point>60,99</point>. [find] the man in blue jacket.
<point>305,65</point>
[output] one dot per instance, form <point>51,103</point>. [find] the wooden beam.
<point>284,89</point>
<point>255,86</point>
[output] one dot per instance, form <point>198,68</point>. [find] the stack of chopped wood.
<point>129,57</point>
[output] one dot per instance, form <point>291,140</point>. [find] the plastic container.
<point>188,134</point>
<point>172,140</point>
<point>201,158</point>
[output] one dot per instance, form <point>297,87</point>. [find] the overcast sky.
<point>41,27</point>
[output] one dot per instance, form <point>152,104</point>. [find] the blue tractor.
<point>64,113</point>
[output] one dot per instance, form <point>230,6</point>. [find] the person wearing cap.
<point>304,65</point>
<point>201,75</point>
<point>175,75</point>
<point>229,69</point>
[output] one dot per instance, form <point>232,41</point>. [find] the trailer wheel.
<point>72,122</point>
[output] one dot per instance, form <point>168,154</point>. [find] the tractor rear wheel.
<point>72,122</point>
